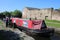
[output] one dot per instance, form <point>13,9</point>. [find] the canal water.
<point>55,37</point>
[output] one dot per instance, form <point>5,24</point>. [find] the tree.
<point>2,15</point>
<point>17,13</point>
<point>6,13</point>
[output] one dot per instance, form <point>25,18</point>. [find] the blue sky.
<point>11,5</point>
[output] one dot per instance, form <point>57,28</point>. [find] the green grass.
<point>2,25</point>
<point>53,23</point>
<point>1,22</point>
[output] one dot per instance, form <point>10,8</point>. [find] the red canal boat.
<point>34,27</point>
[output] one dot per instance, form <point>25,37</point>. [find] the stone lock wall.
<point>46,13</point>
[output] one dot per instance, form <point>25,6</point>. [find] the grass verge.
<point>53,23</point>
<point>1,22</point>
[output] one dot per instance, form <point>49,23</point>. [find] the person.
<point>30,18</point>
<point>35,18</point>
<point>7,21</point>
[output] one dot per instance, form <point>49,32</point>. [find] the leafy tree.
<point>6,13</point>
<point>2,15</point>
<point>17,13</point>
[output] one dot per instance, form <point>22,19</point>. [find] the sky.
<point>11,5</point>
